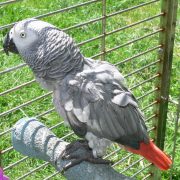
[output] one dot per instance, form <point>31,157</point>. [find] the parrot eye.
<point>22,35</point>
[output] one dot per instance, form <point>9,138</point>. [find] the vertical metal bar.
<point>167,23</point>
<point>103,42</point>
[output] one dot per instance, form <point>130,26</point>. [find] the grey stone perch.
<point>32,138</point>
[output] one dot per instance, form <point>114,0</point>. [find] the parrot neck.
<point>56,69</point>
<point>56,57</point>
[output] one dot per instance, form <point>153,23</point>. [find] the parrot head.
<point>24,36</point>
<point>45,48</point>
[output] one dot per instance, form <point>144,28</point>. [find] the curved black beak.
<point>9,45</point>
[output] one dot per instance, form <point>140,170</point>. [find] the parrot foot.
<point>70,154</point>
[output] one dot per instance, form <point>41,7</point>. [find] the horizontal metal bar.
<point>152,128</point>
<point>138,55</point>
<point>16,163</point>
<point>24,104</point>
<point>57,125</point>
<point>17,87</point>
<point>45,113</point>
<point>6,131</point>
<point>132,165</point>
<point>13,68</point>
<point>146,177</point>
<point>145,81</point>
<point>7,150</point>
<point>121,160</point>
<point>142,68</point>
<point>146,94</point>
<point>83,24</point>
<point>9,2</point>
<point>132,8</point>
<point>90,40</point>
<point>135,174</point>
<point>112,153</point>
<point>32,171</point>
<point>151,117</point>
<point>54,12</point>
<point>97,55</point>
<point>67,135</point>
<point>52,175</point>
<point>135,40</point>
<point>151,104</point>
<point>40,115</point>
<point>134,24</point>
<point>173,101</point>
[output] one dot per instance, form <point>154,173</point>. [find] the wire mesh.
<point>140,70</point>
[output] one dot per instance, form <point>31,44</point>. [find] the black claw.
<point>69,154</point>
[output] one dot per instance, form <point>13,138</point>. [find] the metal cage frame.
<point>166,31</point>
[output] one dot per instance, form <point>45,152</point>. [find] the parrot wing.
<point>99,103</point>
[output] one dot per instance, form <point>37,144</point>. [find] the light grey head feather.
<point>53,53</point>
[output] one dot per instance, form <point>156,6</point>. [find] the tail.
<point>153,154</point>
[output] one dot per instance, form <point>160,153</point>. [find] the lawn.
<point>32,8</point>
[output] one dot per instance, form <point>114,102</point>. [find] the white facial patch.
<point>25,32</point>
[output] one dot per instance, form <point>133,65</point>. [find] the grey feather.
<point>90,95</point>
<point>112,109</point>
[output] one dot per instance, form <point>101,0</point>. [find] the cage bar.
<point>168,23</point>
<point>103,40</point>
<point>24,104</point>
<point>13,68</point>
<point>32,171</point>
<point>135,174</point>
<point>9,2</point>
<point>52,175</point>
<point>17,87</point>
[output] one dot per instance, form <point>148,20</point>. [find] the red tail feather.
<point>152,153</point>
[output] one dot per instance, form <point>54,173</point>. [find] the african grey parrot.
<point>90,95</point>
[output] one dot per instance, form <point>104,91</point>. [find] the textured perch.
<point>34,139</point>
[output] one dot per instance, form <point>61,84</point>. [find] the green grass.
<point>31,8</point>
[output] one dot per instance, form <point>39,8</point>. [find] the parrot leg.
<point>87,155</point>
